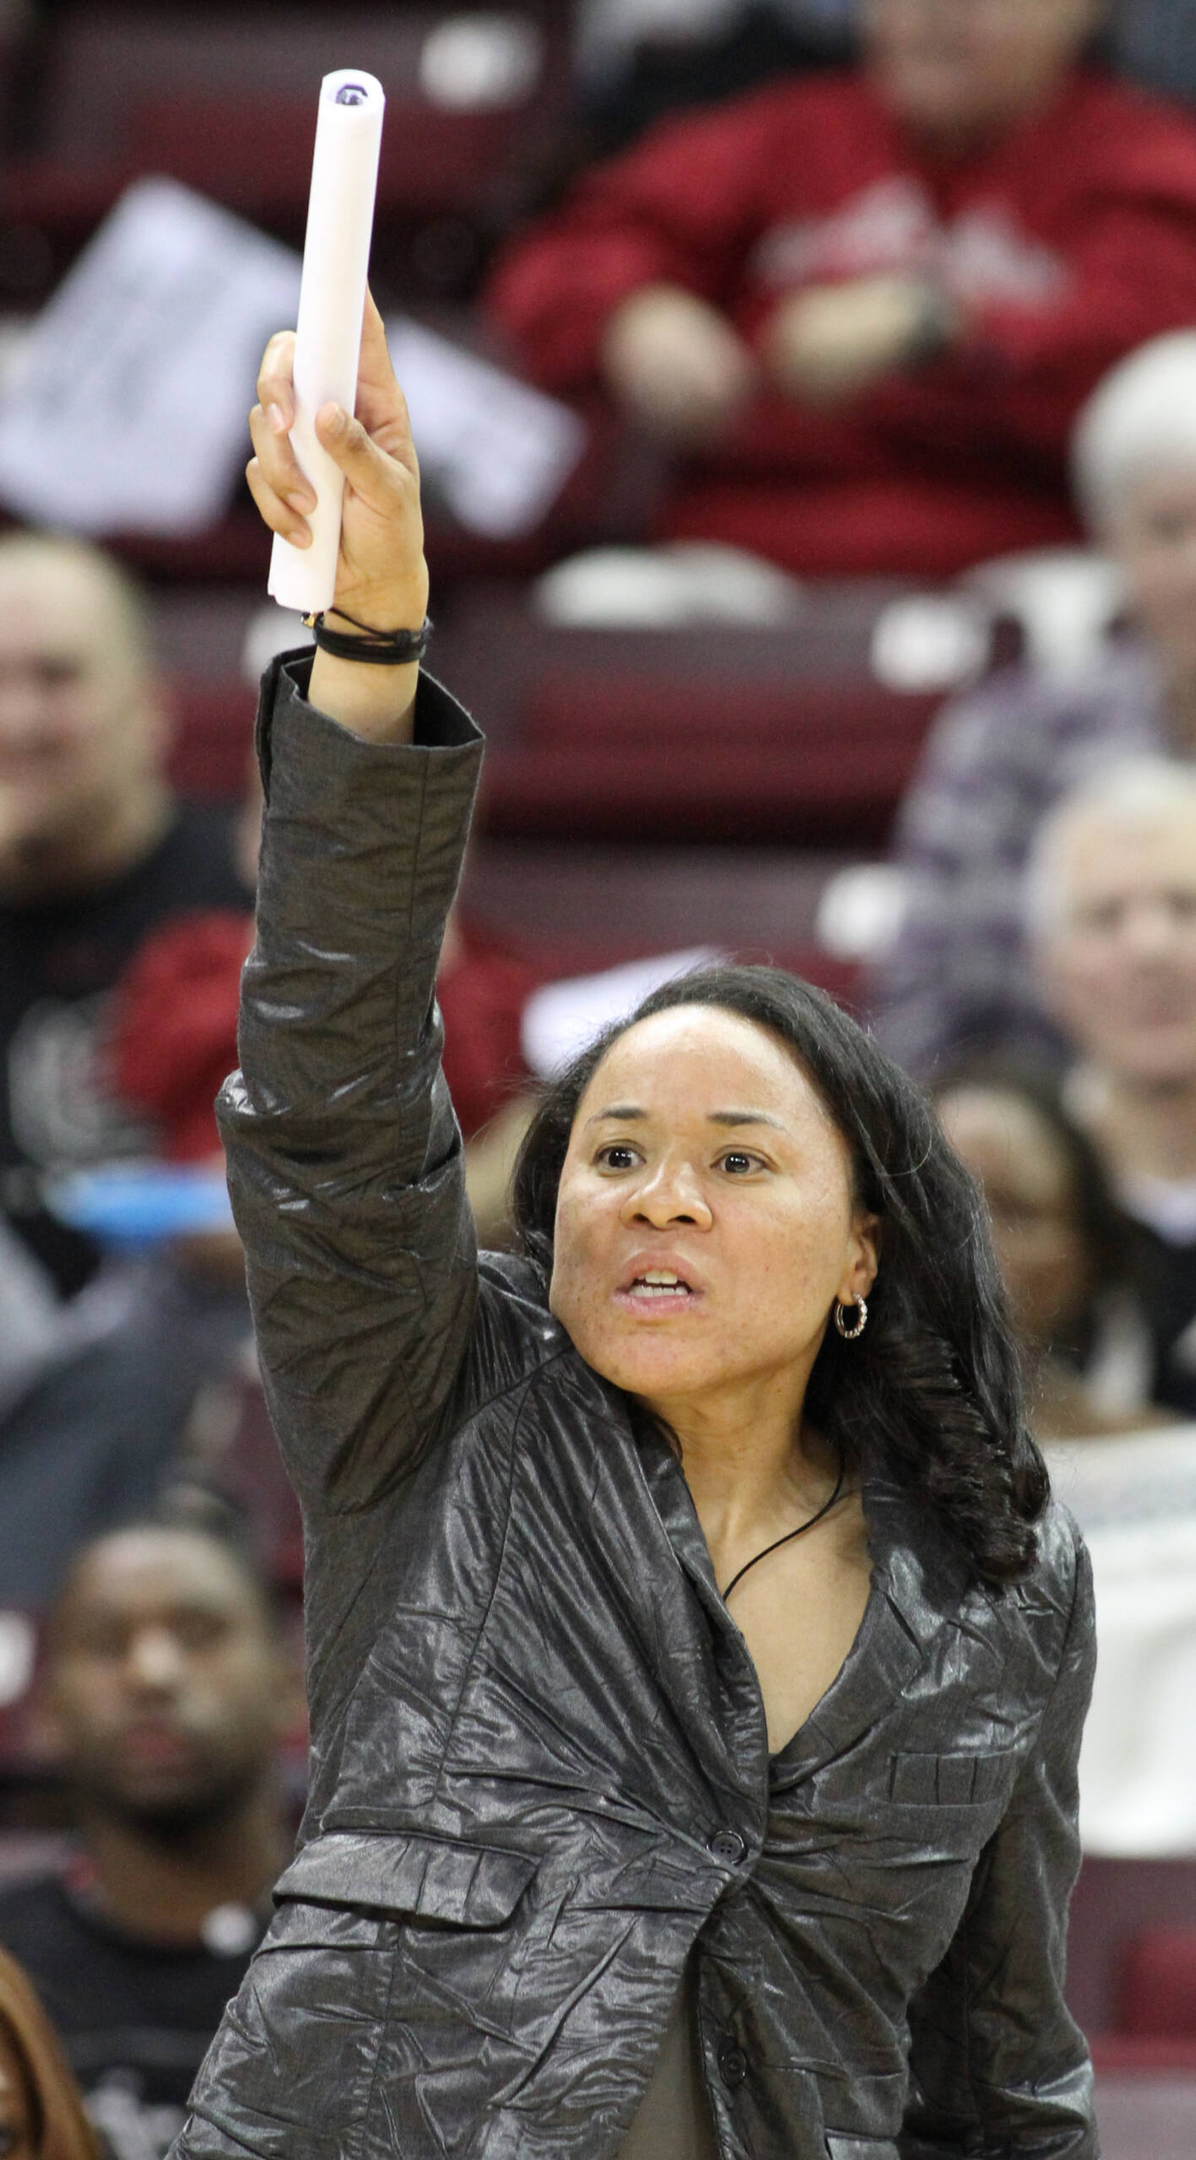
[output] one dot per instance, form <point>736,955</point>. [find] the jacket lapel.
<point>917,1585</point>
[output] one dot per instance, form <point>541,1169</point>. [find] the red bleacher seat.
<point>223,98</point>
<point>1141,2053</point>
<point>255,154</point>
<point>1118,1903</point>
<point>1157,1991</point>
<point>702,733</point>
<point>214,739</point>
<point>572,910</point>
<point>650,736</point>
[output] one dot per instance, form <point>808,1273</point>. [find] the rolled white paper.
<point>336,254</point>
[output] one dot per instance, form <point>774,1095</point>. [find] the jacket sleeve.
<point>344,1155</point>
<point>997,2065</point>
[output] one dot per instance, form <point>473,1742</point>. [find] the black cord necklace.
<point>800,1531</point>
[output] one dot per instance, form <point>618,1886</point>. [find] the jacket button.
<point>732,2064</point>
<point>727,1846</point>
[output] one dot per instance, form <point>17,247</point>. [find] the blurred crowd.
<point>892,289</point>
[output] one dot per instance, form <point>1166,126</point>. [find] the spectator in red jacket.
<point>865,308</point>
<point>174,1038</point>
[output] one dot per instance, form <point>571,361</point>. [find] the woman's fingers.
<point>276,483</point>
<point>275,512</point>
<point>277,461</point>
<point>270,423</point>
<point>275,382</point>
<point>375,373</point>
<point>381,405</point>
<point>381,574</point>
<point>373,473</point>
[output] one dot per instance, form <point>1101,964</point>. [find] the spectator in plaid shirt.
<point>1000,757</point>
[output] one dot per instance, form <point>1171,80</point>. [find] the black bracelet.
<point>380,648</point>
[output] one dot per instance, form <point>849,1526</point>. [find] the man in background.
<point>168,1692</point>
<point>95,850</point>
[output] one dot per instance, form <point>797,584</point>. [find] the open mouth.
<point>659,1284</point>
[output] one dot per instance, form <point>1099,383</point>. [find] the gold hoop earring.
<point>851,1334</point>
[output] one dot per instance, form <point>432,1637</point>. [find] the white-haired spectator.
<point>1002,755</point>
<point>1139,421</point>
<point>1111,912</point>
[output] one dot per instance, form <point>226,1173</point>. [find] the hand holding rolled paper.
<point>335,475</point>
<point>336,258</point>
<point>380,574</point>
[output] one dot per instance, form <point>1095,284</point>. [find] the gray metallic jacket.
<point>540,1775</point>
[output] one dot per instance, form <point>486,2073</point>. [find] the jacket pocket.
<point>947,1780</point>
<point>841,2145</point>
<point>400,1872</point>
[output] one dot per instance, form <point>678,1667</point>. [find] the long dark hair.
<point>1028,1079</point>
<point>931,1392</point>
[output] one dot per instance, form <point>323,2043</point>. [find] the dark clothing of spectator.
<point>1068,243</point>
<point>1156,41</point>
<point>135,2016</point>
<point>93,1437</point>
<point>58,961</point>
<point>996,761</point>
<point>660,75</point>
<point>1165,1275</point>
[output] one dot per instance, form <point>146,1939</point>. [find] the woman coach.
<point>696,1665</point>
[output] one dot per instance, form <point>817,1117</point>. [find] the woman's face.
<point>16,2115</point>
<point>705,1223</point>
<point>1015,1158</point>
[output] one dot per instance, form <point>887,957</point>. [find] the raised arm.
<point>344,1156</point>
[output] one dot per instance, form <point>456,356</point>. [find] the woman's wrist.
<point>375,702</point>
<point>367,646</point>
